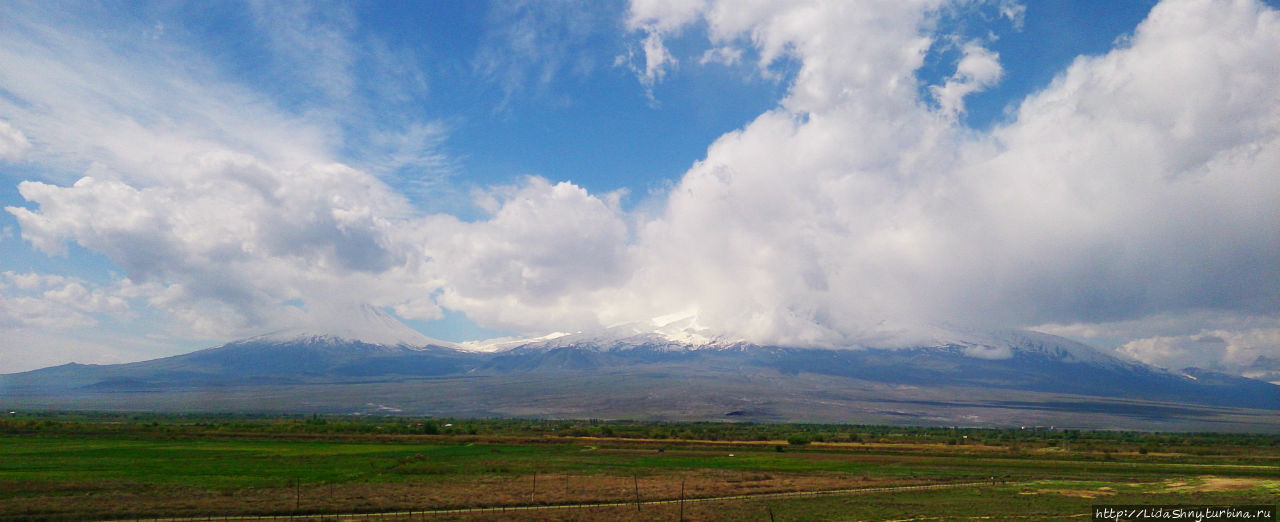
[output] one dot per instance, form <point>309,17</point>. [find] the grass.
<point>90,469</point>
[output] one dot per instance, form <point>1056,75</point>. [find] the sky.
<point>835,174</point>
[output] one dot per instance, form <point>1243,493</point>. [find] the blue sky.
<point>177,175</point>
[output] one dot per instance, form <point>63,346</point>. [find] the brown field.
<point>456,493</point>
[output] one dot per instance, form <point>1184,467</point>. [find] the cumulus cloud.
<point>1140,184</point>
<point>1110,196</point>
<point>854,209</point>
<point>538,257</point>
<point>230,230</point>
<point>221,208</point>
<point>803,226</point>
<point>50,319</point>
<point>38,300</point>
<point>978,69</point>
<point>1223,350</point>
<point>1113,195</point>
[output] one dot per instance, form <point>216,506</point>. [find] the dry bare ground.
<point>123,501</point>
<point>1210,483</point>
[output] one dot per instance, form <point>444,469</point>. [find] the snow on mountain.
<point>671,333</point>
<point>1003,344</point>
<point>683,332</point>
<point>366,343</point>
<point>364,323</point>
<point>502,344</point>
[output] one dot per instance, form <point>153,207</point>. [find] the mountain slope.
<point>252,361</point>
<point>369,343</point>
<point>1012,360</point>
<point>997,378</point>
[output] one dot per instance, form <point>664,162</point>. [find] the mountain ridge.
<point>625,373</point>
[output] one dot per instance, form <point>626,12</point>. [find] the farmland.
<point>118,466</point>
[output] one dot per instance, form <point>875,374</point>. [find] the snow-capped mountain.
<point>663,367</point>
<point>1005,344</point>
<point>1010,359</point>
<point>669,333</point>
<point>685,334</point>
<point>364,323</point>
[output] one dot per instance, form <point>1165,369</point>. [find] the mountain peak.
<point>363,323</point>
<point>673,331</point>
<point>683,334</point>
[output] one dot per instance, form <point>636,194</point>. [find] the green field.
<point>68,466</point>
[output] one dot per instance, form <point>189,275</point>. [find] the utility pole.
<point>636,479</point>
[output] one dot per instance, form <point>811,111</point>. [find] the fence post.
<point>682,499</point>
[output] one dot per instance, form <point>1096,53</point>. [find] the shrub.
<point>797,439</point>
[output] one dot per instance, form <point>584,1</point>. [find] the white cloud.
<point>664,15</point>
<point>721,55</point>
<point>1140,184</point>
<point>848,53</point>
<point>777,235</point>
<point>1014,11</point>
<point>1113,195</point>
<point>978,69</point>
<point>13,143</point>
<point>658,19</point>
<point>1223,350</point>
<point>131,109</point>
<point>233,231</point>
<point>544,250</point>
<point>216,203</point>
<point>656,60</point>
<point>35,300</point>
<point>1224,341</point>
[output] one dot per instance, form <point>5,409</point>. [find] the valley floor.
<point>139,467</point>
